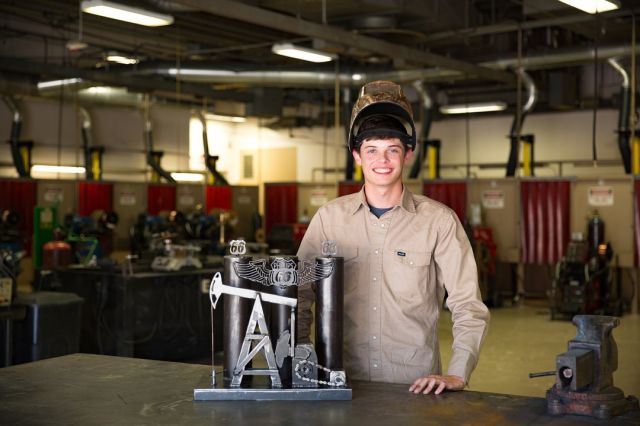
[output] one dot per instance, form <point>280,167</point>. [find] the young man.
<point>401,251</point>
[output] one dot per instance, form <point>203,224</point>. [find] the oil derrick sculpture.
<point>260,318</point>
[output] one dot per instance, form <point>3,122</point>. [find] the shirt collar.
<point>359,201</point>
<point>406,201</point>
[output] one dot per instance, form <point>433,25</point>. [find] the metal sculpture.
<point>295,371</point>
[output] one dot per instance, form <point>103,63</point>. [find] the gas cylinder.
<point>595,231</point>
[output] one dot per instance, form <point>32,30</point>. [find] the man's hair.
<point>381,127</point>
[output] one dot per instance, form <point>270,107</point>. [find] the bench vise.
<point>584,374</point>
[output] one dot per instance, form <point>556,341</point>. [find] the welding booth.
<point>120,308</point>
<point>288,207</point>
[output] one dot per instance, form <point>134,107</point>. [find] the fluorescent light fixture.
<point>125,13</point>
<point>121,59</point>
<point>356,77</point>
<point>104,90</point>
<point>187,177</point>
<point>55,83</point>
<point>228,118</point>
<point>471,108</point>
<point>57,169</point>
<point>306,54</point>
<point>593,6</point>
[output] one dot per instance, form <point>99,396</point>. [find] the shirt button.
<point>375,365</point>
<point>375,278</point>
<point>375,308</point>
<point>411,262</point>
<point>374,337</point>
<point>382,225</point>
<point>375,251</point>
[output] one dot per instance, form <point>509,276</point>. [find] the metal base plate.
<point>222,392</point>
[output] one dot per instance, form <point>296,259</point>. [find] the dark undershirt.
<point>379,212</point>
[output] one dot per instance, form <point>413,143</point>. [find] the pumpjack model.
<point>260,309</point>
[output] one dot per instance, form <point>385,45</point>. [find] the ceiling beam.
<point>265,18</point>
<point>144,83</point>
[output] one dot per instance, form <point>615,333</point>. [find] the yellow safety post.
<point>635,149</point>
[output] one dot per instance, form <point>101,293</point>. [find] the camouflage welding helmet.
<point>382,98</point>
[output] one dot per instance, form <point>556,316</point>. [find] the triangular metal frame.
<point>263,343</point>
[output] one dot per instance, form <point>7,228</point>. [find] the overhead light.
<point>471,108</point>
<point>593,6</point>
<point>121,59</point>
<point>228,118</point>
<point>187,177</point>
<point>55,83</point>
<point>304,53</point>
<point>356,77</point>
<point>57,169</point>
<point>125,13</point>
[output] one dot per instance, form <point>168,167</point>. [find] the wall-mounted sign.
<point>493,199</point>
<point>243,199</point>
<point>318,198</point>
<point>127,199</point>
<point>53,194</point>
<point>186,200</point>
<point>600,196</point>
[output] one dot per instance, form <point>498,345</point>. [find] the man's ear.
<point>408,156</point>
<point>356,156</point>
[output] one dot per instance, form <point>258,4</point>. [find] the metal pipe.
<point>427,118</point>
<point>151,158</point>
<point>624,132</point>
<point>87,142</point>
<point>327,79</point>
<point>210,161</point>
<point>518,120</point>
<point>329,315</point>
<point>14,138</point>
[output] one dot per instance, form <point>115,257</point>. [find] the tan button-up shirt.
<point>397,268</point>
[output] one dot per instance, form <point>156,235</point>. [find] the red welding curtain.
<point>281,204</point>
<point>451,194</point>
<point>94,196</point>
<point>20,195</point>
<point>160,198</point>
<point>545,220</point>
<point>218,197</point>
<point>348,187</point>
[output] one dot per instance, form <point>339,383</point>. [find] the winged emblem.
<point>283,272</point>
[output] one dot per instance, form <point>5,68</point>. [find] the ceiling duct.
<point>14,138</point>
<point>328,79</point>
<point>518,119</point>
<point>624,132</point>
<point>87,142</point>
<point>427,118</point>
<point>215,178</point>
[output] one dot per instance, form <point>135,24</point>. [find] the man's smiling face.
<point>382,161</point>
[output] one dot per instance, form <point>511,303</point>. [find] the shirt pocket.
<point>408,272</point>
<point>352,265</point>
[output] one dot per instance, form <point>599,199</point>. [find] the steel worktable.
<point>84,389</point>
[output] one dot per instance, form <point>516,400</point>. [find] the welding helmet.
<point>382,109</point>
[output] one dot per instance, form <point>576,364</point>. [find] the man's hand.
<point>428,383</point>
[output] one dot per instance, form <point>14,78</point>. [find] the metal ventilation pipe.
<point>87,143</point>
<point>210,160</point>
<point>518,120</point>
<point>427,109</point>
<point>624,132</point>
<point>14,139</point>
<point>153,157</point>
